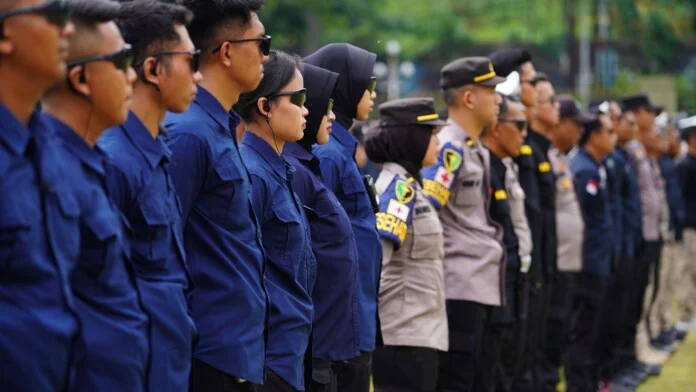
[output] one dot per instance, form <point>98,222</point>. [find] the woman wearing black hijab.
<point>336,328</point>
<point>353,99</point>
<point>412,289</point>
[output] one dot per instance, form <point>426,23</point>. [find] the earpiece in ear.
<point>267,106</point>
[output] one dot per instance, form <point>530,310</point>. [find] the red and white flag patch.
<point>592,187</point>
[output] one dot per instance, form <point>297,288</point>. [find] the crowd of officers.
<point>181,209</point>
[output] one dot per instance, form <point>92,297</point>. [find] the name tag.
<point>422,210</point>
<point>470,183</point>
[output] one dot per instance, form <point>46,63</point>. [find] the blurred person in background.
<point>686,173</point>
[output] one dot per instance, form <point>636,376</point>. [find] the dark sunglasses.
<point>372,84</point>
<point>297,97</point>
<point>330,107</point>
<point>194,63</point>
<point>56,12</point>
<point>521,124</point>
<point>264,43</point>
<point>122,60</point>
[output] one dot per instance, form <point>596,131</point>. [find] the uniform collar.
<point>395,168</point>
<point>583,152</point>
<point>214,108</point>
<point>268,154</point>
<point>305,157</point>
<point>541,140</point>
<point>154,150</point>
<point>76,145</point>
<point>14,133</point>
<point>496,163</point>
<point>344,137</point>
<point>461,134</point>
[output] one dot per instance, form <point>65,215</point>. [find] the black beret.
<point>505,61</point>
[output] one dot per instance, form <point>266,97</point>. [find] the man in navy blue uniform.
<point>223,239</point>
<point>353,99</point>
<point>94,96</point>
<point>139,182</point>
<point>39,228</point>
<point>596,143</point>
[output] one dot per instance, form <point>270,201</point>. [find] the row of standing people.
<point>553,221</point>
<point>165,254</point>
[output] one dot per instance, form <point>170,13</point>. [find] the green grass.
<point>679,374</point>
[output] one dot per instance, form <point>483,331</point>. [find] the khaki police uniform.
<point>518,214</point>
<point>412,287</point>
<point>570,226</point>
<point>652,195</point>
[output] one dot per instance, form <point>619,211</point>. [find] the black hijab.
<point>354,66</point>
<point>405,145</point>
<point>320,84</point>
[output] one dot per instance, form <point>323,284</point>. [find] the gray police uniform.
<point>518,215</point>
<point>571,225</point>
<point>412,287</point>
<point>473,250</point>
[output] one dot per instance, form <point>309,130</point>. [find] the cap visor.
<point>436,123</point>
<point>492,82</point>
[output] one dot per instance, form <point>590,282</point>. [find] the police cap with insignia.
<point>569,108</point>
<point>409,111</point>
<point>507,60</point>
<point>476,71</point>
<point>635,102</point>
<point>687,127</point>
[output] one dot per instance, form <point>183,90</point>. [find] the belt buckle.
<point>240,380</point>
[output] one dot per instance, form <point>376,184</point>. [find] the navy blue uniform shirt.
<point>686,174</point>
<point>547,200</point>
<point>342,176</point>
<point>222,238</point>
<point>631,215</point>
<point>114,326</point>
<point>674,196</point>
<point>529,181</point>
<point>593,196</point>
<point>615,178</point>
<point>39,245</point>
<point>291,269</point>
<point>336,333</point>
<point>138,181</point>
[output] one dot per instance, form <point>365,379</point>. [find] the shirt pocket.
<point>284,235</point>
<point>99,243</point>
<point>66,231</point>
<point>353,189</point>
<point>15,227</point>
<point>427,238</point>
<point>158,230</point>
<point>227,194</point>
<point>469,191</point>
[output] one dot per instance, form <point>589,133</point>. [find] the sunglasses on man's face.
<point>520,124</point>
<point>122,60</point>
<point>194,62</point>
<point>297,97</point>
<point>372,84</point>
<point>264,43</point>
<point>330,107</point>
<point>56,12</point>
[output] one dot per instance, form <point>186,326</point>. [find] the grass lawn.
<point>679,374</point>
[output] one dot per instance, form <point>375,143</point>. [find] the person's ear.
<point>468,98</point>
<point>151,71</point>
<point>77,79</point>
<point>6,46</point>
<point>263,107</point>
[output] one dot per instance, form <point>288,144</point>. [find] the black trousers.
<point>205,378</point>
<point>614,348</point>
<point>555,342</point>
<point>461,367</point>
<point>648,254</point>
<point>274,383</point>
<point>324,377</point>
<point>539,296</point>
<point>403,368</point>
<point>354,375</point>
<point>581,363</point>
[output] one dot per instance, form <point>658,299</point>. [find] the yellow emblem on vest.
<point>500,194</point>
<point>544,167</point>
<point>526,150</point>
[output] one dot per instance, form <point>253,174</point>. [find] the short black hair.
<point>88,13</point>
<point>210,16</point>
<point>148,25</point>
<point>589,128</point>
<point>277,73</point>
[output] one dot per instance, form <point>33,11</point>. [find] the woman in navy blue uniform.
<point>274,114</point>
<point>336,327</point>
